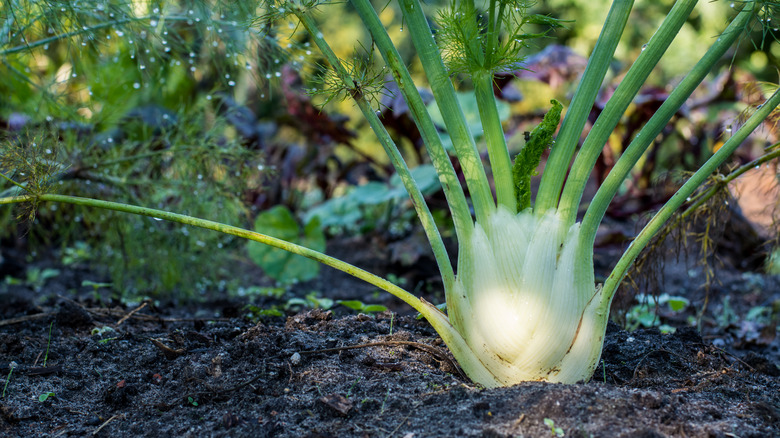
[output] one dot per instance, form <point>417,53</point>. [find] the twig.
<point>706,379</point>
<point>733,356</point>
<point>124,318</point>
<point>25,318</point>
<point>116,312</point>
<point>105,423</point>
<point>37,371</point>
<point>109,312</point>
<point>400,424</point>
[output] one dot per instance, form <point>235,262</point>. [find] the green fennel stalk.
<point>522,303</point>
<point>577,114</point>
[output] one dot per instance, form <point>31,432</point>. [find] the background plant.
<point>178,103</point>
<point>129,100</point>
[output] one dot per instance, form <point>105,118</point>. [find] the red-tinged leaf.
<point>311,121</point>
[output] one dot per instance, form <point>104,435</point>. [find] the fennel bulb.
<point>523,302</point>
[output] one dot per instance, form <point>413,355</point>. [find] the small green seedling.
<point>95,287</point>
<point>260,291</point>
<point>11,367</point>
<point>100,331</point>
<point>349,392</point>
<point>106,340</point>
<point>45,396</point>
<point>727,315</point>
<point>645,314</point>
<point>773,262</point>
<point>554,431</point>
<point>257,312</point>
<point>312,300</point>
<point>192,401</point>
<point>80,252</point>
<point>48,344</point>
<point>36,278</point>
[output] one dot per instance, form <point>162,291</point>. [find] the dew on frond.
<point>762,28</point>
<point>146,33</point>
<point>756,94</point>
<point>29,160</point>
<point>185,163</point>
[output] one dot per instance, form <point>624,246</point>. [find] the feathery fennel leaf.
<point>531,154</point>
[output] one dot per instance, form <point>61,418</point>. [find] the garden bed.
<point>85,368</point>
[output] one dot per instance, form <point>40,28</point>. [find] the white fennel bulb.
<point>522,304</point>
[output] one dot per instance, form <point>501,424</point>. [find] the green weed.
<point>554,431</point>
<point>46,396</point>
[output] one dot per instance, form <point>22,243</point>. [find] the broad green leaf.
<point>349,210</point>
<point>353,304</point>
<point>280,265</point>
<point>372,193</point>
<point>758,313</point>
<point>373,308</point>
<point>677,303</point>
<point>426,178</point>
<point>337,212</point>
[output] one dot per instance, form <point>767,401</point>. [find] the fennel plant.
<point>522,303</point>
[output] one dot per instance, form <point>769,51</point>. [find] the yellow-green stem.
<point>456,198</point>
<point>679,198</point>
<point>446,99</point>
<point>500,164</point>
<point>423,212</point>
<point>231,230</point>
<point>577,114</point>
<point>655,125</point>
<point>617,105</point>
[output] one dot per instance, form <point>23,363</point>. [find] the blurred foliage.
<point>192,107</point>
<point>189,167</point>
<point>374,206</point>
<point>118,99</point>
<point>758,53</point>
<point>180,105</point>
<point>281,265</point>
<point>649,311</point>
<point>99,58</point>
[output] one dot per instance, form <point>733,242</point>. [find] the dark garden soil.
<point>204,370</point>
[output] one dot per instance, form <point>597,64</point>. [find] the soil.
<point>204,369</point>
